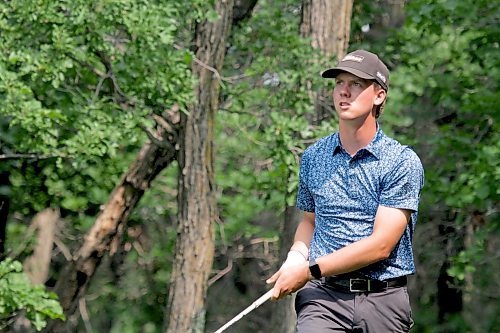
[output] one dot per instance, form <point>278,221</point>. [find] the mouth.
<point>344,105</point>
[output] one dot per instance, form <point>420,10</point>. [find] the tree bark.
<point>37,265</point>
<point>71,285</point>
<point>197,203</point>
<point>242,10</point>
<point>328,24</point>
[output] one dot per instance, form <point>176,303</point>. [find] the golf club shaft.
<point>262,299</point>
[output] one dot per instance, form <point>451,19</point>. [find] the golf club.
<point>261,300</point>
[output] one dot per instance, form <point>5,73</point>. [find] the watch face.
<point>314,269</point>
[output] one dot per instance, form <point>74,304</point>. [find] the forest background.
<point>149,155</point>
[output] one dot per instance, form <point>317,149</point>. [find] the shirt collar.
<point>375,146</point>
<point>337,147</point>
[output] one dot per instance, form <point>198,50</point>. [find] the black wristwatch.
<point>314,269</point>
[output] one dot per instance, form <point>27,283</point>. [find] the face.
<point>354,97</point>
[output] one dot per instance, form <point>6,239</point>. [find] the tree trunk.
<point>242,10</point>
<point>197,203</point>
<point>110,223</point>
<point>37,265</point>
<point>328,24</point>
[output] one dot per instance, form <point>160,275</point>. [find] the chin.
<point>346,115</point>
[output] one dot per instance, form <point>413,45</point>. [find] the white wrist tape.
<point>295,252</point>
<point>293,258</point>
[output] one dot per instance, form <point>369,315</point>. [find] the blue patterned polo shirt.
<point>344,192</point>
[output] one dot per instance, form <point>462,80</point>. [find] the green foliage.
<point>18,294</point>
<point>453,71</point>
<point>77,80</point>
<point>446,81</point>
<point>264,122</point>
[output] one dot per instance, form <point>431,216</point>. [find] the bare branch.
<point>219,77</point>
<point>165,123</point>
<point>27,156</point>
<point>82,305</point>
<point>107,63</point>
<point>63,248</point>
<point>157,141</point>
<point>221,273</point>
<point>100,83</point>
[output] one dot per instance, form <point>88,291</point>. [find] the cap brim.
<point>333,72</point>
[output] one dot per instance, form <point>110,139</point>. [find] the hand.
<point>294,258</point>
<point>289,279</point>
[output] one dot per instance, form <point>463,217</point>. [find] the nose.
<point>344,90</point>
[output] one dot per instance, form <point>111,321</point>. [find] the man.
<point>359,191</point>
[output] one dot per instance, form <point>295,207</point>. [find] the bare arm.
<point>303,235</point>
<point>388,228</point>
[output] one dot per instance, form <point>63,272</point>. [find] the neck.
<point>355,136</point>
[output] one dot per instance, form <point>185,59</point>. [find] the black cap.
<point>363,64</point>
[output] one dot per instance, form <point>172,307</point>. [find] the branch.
<point>87,65</point>
<point>107,63</point>
<point>100,83</point>
<point>166,124</point>
<point>84,313</point>
<point>210,68</point>
<point>63,248</point>
<point>27,156</point>
<point>221,273</point>
<point>156,141</point>
<point>9,320</point>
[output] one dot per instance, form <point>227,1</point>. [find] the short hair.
<point>380,108</point>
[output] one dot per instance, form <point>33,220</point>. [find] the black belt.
<point>363,285</point>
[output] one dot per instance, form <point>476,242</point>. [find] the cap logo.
<point>381,76</point>
<point>353,57</point>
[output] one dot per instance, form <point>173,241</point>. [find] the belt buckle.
<point>354,290</point>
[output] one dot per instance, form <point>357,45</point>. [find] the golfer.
<point>359,190</point>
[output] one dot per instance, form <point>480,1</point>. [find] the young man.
<point>359,191</point>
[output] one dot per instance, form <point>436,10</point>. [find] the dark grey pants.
<point>320,308</point>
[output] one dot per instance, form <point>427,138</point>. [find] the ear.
<point>380,97</point>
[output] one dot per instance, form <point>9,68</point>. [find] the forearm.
<point>390,223</point>
<point>303,235</point>
<point>352,257</point>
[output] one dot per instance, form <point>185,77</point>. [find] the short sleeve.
<point>305,200</point>
<point>401,186</point>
